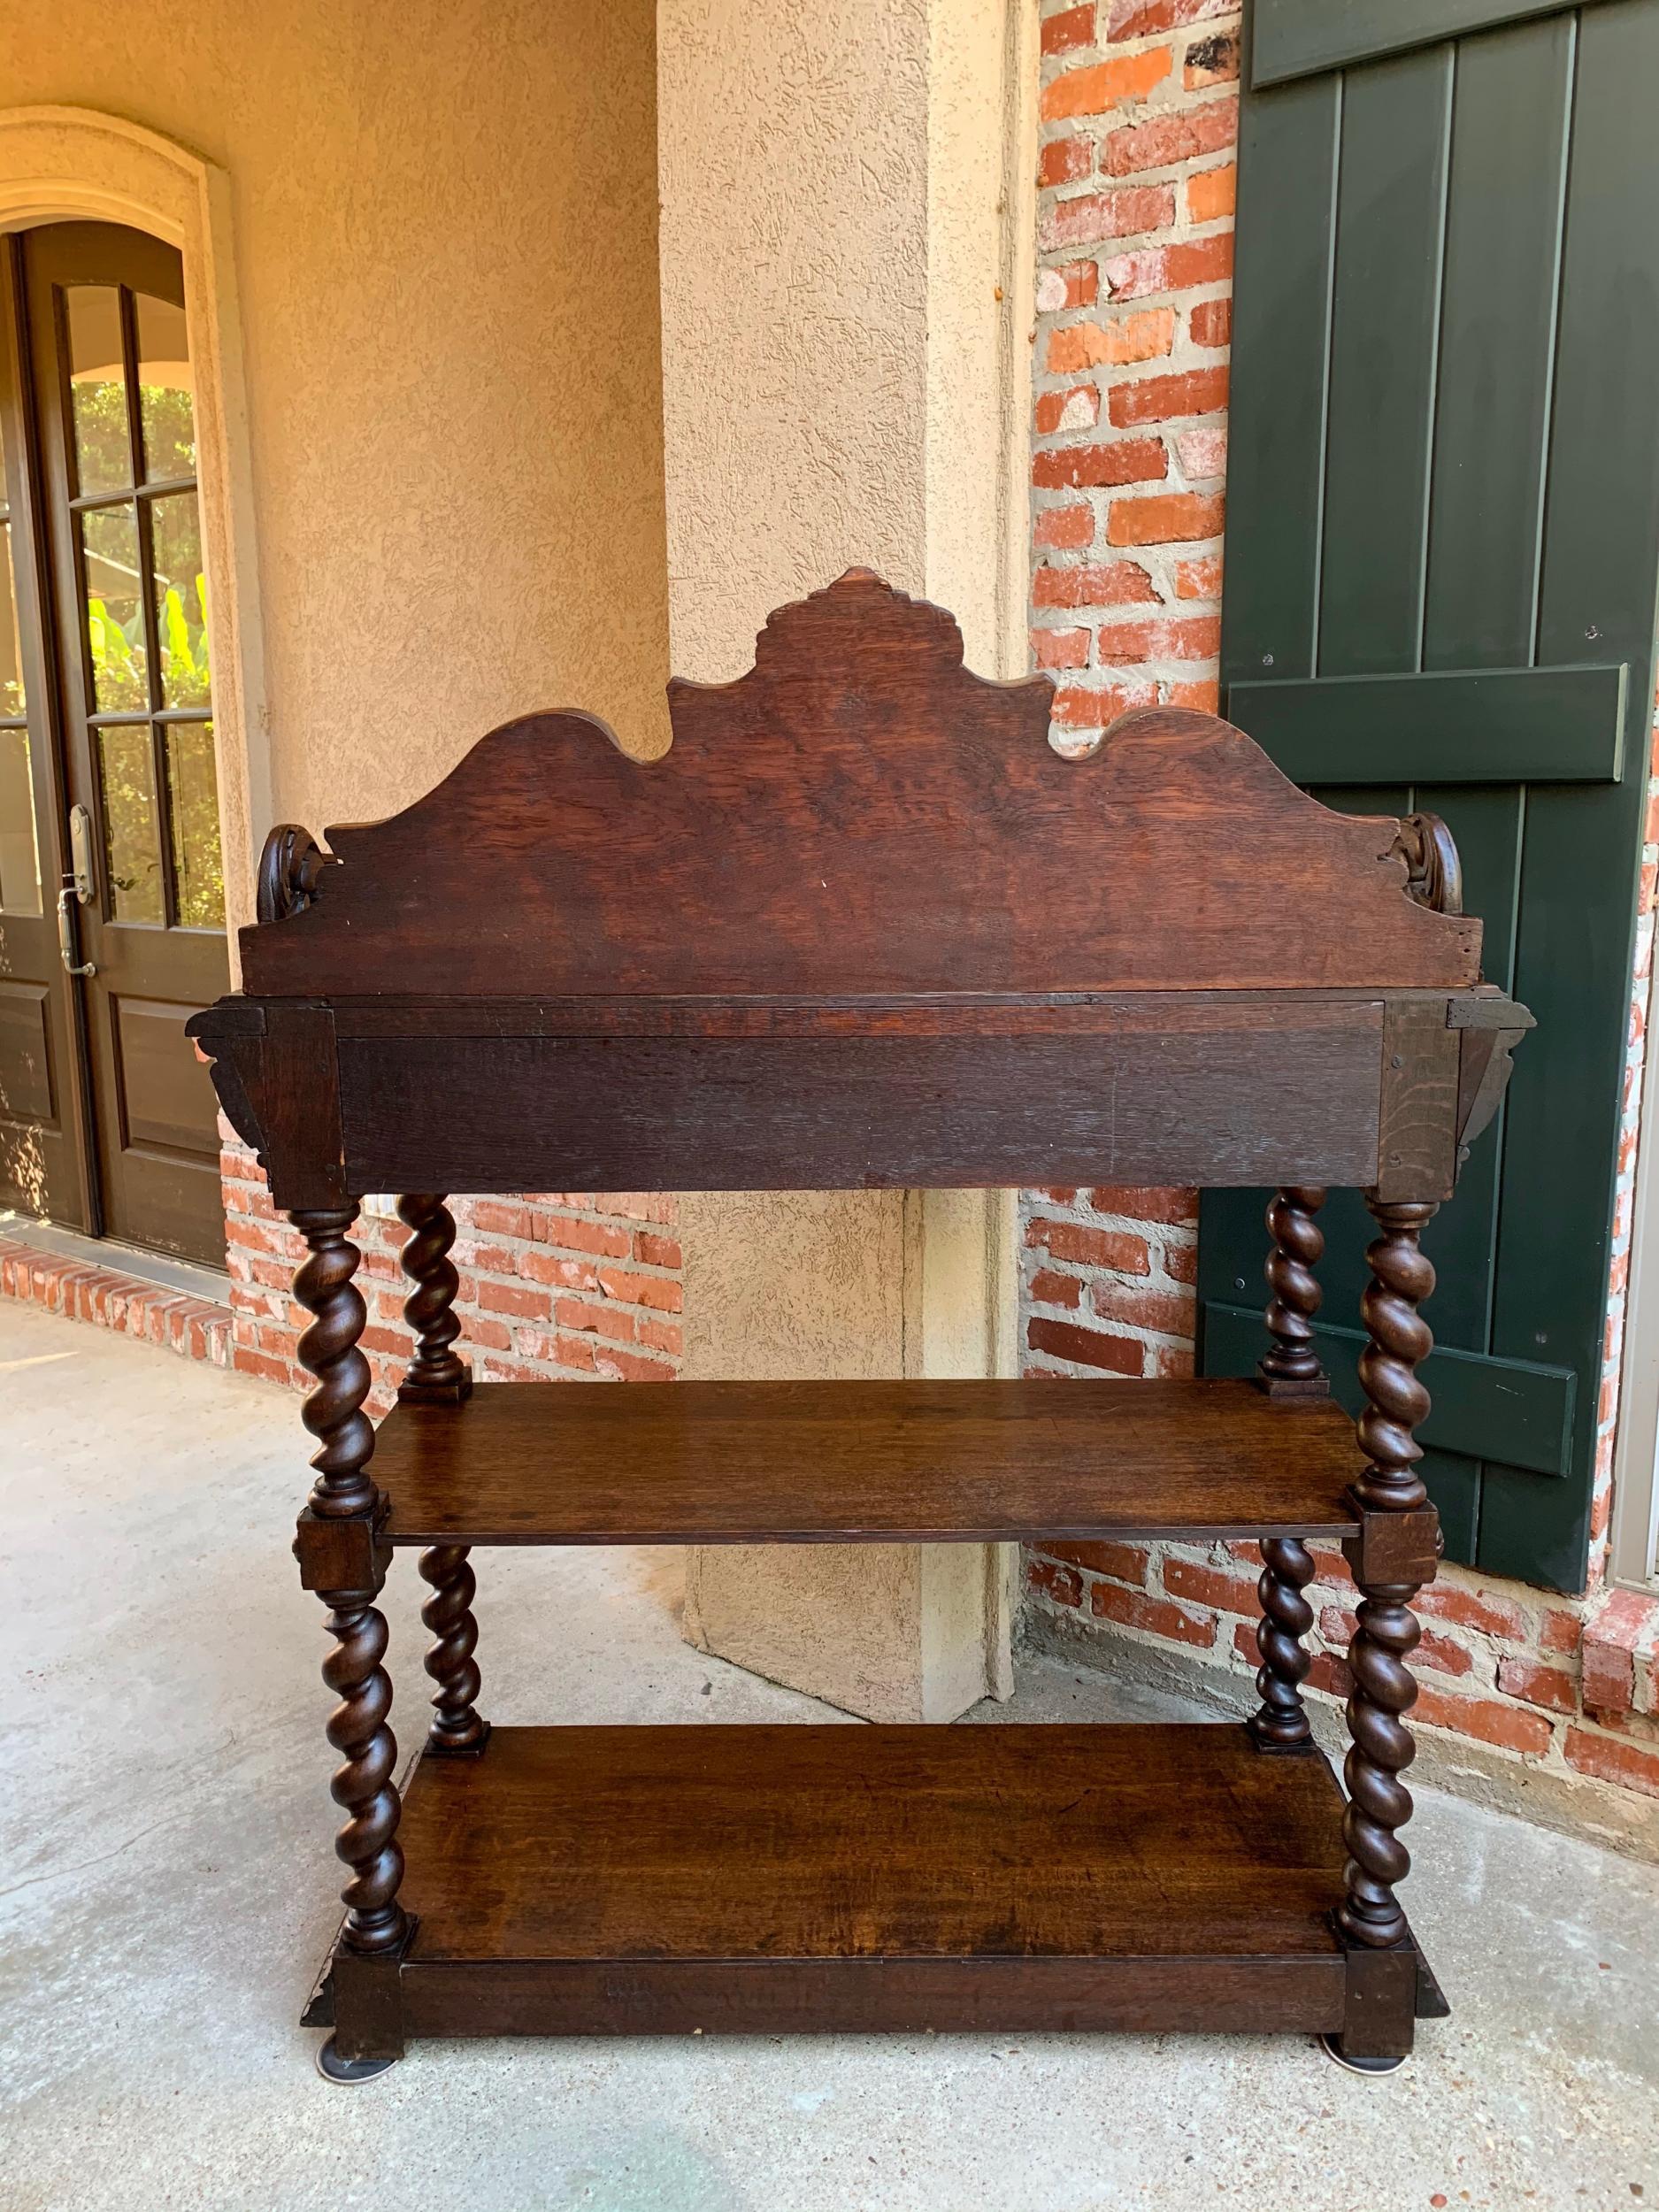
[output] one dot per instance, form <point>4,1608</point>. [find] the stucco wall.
<point>844,239</point>
<point>445,223</point>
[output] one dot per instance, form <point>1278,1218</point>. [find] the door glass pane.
<point>12,700</point>
<point>166,402</point>
<point>193,801</point>
<point>98,388</point>
<point>19,861</point>
<point>181,599</point>
<point>132,856</point>
<point>115,617</point>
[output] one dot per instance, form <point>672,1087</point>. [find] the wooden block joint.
<point>344,1551</point>
<point>1393,1550</point>
<point>1277,1387</point>
<point>436,1394</point>
<point>1379,2013</point>
<point>368,2001</point>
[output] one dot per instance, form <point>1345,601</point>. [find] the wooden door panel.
<point>25,1074</point>
<point>166,1124</point>
<point>115,435</point>
<point>1444,521</point>
<point>166,1093</point>
<point>45,1155</point>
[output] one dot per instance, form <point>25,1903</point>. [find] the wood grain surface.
<point>843,1842</point>
<point>859,812</point>
<point>849,1113</point>
<point>837,1462</point>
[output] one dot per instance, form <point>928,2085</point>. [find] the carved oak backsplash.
<point>858,813</point>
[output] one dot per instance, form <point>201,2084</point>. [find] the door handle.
<point>67,946</point>
<point>81,853</point>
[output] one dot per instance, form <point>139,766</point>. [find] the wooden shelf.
<point>588,1879</point>
<point>875,1461</point>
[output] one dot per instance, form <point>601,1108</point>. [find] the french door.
<point>111,888</point>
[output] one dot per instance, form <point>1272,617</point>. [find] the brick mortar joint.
<point>1219,1655</point>
<point>1489,1650</point>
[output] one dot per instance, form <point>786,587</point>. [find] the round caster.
<point>333,2068</point>
<point>1332,2046</point>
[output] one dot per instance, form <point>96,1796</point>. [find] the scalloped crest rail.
<point>862,925</point>
<point>860,813</point>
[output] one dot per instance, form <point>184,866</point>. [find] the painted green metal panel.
<point>1516,1411</point>
<point>1525,700</point>
<point>1465,725</point>
<point>1301,38</point>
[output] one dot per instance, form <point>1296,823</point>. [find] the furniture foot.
<point>347,2072</point>
<point>1332,2047</point>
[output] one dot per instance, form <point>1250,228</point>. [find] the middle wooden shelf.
<point>801,1462</point>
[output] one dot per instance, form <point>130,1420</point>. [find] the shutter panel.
<point>1442,568</point>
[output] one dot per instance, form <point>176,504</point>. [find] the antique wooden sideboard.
<point>862,927</point>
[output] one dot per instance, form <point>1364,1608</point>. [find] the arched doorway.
<point>111,882</point>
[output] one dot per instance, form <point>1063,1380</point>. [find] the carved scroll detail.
<point>1434,874</point>
<point>290,872</point>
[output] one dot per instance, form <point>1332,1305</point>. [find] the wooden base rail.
<point>589,1881</point>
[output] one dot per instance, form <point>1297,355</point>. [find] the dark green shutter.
<point>1441,574</point>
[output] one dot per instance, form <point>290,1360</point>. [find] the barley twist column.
<point>1387,1631</point>
<point>1281,1721</point>
<point>436,1372</point>
<point>456,1725</point>
<point>1291,1366</point>
<point>329,1350</point>
<point>357,1728</point>
<point>438,1375</point>
<point>1289,1369</point>
<point>363,1784</point>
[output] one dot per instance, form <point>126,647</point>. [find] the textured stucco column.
<point>845,293</point>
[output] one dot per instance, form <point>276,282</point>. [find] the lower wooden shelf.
<point>645,1880</point>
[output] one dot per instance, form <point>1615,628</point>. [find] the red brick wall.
<point>562,1287</point>
<point>1139,122</point>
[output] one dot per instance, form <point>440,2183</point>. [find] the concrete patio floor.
<point>167,1889</point>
